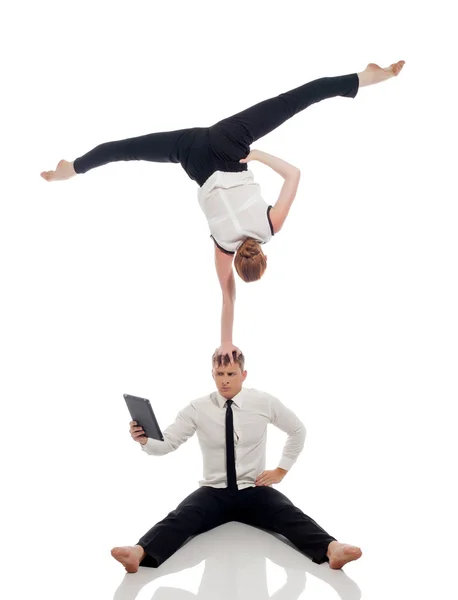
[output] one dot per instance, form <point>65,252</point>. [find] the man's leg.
<point>269,509</point>
<point>204,509</point>
<point>255,122</point>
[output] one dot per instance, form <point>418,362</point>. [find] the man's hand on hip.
<point>270,477</point>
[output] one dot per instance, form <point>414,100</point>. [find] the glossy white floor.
<point>108,286</point>
<point>62,544</point>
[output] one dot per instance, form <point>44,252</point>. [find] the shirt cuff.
<point>144,447</point>
<point>286,463</point>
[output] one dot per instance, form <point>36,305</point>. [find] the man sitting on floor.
<point>231,424</point>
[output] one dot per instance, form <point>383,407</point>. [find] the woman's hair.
<point>224,360</point>
<point>250,261</point>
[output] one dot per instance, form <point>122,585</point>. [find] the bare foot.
<point>340,554</point>
<point>129,556</point>
<point>375,74</point>
<point>64,170</point>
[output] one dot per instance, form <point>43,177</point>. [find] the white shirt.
<point>253,410</point>
<point>235,209</point>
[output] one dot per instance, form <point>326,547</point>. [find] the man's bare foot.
<point>129,556</point>
<point>340,554</point>
<point>64,170</point>
<point>375,74</point>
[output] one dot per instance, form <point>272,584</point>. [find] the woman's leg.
<point>255,122</point>
<point>155,147</point>
<point>262,118</point>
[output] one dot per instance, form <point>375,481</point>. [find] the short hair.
<point>250,261</point>
<point>220,360</point>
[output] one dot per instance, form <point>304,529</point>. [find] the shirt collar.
<point>237,399</point>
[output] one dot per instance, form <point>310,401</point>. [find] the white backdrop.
<point>106,291</point>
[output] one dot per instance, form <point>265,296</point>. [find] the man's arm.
<point>287,421</point>
<point>176,434</point>
<point>284,418</point>
<point>290,174</point>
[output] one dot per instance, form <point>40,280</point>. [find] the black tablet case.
<point>141,411</point>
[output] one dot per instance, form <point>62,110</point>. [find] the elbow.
<point>302,433</point>
<point>304,430</point>
<point>296,174</point>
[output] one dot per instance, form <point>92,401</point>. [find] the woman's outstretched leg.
<point>257,121</point>
<point>154,147</point>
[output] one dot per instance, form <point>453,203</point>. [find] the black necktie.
<point>230,452</point>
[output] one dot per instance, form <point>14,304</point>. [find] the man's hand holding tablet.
<point>137,433</point>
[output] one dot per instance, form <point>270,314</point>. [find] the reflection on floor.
<point>236,558</point>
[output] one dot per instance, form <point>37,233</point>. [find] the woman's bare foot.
<point>340,554</point>
<point>375,74</point>
<point>129,556</point>
<point>64,170</point>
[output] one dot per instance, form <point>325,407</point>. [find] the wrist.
<point>259,155</point>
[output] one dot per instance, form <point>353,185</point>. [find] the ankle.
<point>364,78</point>
<point>331,547</point>
<point>140,552</point>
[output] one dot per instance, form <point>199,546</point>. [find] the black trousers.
<point>208,507</point>
<point>203,150</point>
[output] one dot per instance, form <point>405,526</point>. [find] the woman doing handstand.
<point>216,158</point>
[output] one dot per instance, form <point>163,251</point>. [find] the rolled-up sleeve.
<point>176,434</point>
<point>284,418</point>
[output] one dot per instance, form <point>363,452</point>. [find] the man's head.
<point>228,377</point>
<point>250,262</point>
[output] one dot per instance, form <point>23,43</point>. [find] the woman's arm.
<point>280,166</point>
<point>280,209</point>
<point>223,263</point>
<point>290,174</point>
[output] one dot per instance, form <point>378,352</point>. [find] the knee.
<point>188,513</point>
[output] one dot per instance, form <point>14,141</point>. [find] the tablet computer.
<point>141,411</point>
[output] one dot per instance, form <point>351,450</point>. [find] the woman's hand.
<point>228,348</point>
<point>270,477</point>
<point>253,155</point>
<point>280,166</point>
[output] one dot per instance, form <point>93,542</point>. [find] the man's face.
<point>228,379</point>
